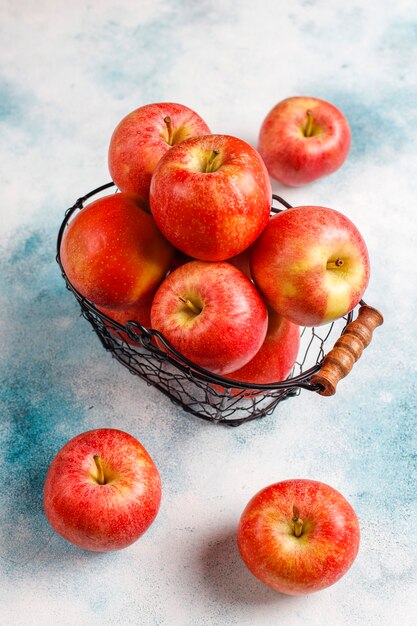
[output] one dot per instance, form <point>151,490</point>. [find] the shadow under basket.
<point>326,355</point>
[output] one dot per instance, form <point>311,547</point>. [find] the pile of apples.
<point>188,246</point>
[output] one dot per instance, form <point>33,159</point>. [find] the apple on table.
<point>102,490</point>
<point>211,196</point>
<point>142,138</point>
<point>311,264</point>
<point>302,139</point>
<point>298,536</point>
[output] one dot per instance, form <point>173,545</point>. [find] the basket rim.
<point>175,358</point>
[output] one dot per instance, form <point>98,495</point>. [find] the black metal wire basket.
<point>198,391</point>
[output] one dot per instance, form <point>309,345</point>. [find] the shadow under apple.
<point>227,578</point>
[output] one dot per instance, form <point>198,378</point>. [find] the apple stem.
<point>168,123</point>
<point>100,472</point>
<point>333,264</point>
<point>190,305</point>
<point>309,126</point>
<point>211,160</point>
<point>298,522</point>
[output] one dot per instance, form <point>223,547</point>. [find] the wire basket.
<point>215,398</point>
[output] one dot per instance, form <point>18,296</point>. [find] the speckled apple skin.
<point>105,517</point>
<point>214,215</point>
<point>298,565</point>
<point>290,156</point>
<point>141,139</point>
<point>113,252</point>
<point>289,265</point>
<point>231,326</point>
<point>276,357</point>
<point>68,76</point>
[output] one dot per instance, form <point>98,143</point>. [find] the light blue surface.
<point>68,73</point>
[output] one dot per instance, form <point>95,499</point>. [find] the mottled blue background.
<point>68,73</point>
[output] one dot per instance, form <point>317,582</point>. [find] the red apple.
<point>212,314</point>
<point>113,252</point>
<point>302,139</point>
<point>298,536</point>
<point>143,137</point>
<point>312,265</point>
<point>102,490</point>
<point>140,312</point>
<point>276,357</point>
<point>211,196</point>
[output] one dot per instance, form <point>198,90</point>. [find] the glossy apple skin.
<point>113,252</point>
<point>140,313</point>
<point>295,159</point>
<point>231,326</point>
<point>141,139</point>
<point>289,265</point>
<point>102,517</point>
<point>295,565</point>
<point>211,215</point>
<point>276,357</point>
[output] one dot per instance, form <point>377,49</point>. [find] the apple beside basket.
<point>212,397</point>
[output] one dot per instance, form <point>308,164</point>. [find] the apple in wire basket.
<point>311,264</point>
<point>212,314</point>
<point>113,253</point>
<point>211,196</point>
<point>275,358</point>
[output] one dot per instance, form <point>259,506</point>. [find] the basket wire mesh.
<point>198,391</point>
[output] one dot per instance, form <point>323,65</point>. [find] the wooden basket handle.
<point>347,350</point>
